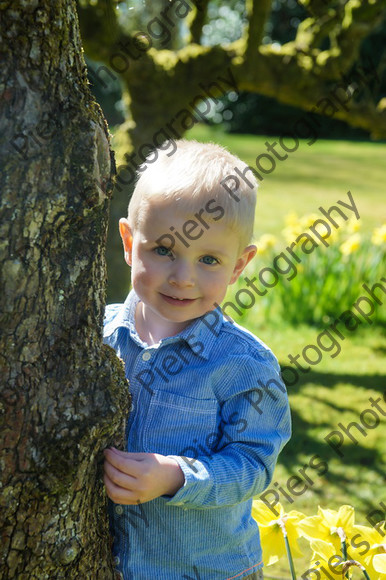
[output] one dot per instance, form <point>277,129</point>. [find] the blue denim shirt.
<point>211,397</point>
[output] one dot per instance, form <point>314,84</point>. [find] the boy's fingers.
<point>123,463</point>
<point>119,478</point>
<point>118,494</point>
<point>141,456</point>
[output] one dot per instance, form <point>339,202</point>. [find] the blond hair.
<point>194,174</point>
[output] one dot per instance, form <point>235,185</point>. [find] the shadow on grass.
<point>375,382</point>
<point>380,350</point>
<point>327,459</point>
<point>318,468</point>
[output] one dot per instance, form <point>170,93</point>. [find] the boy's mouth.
<point>177,301</point>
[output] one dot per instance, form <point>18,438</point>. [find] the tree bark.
<point>63,395</point>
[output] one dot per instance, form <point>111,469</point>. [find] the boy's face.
<point>175,283</point>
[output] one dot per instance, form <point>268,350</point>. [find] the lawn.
<point>335,394</point>
<point>312,176</point>
<point>328,398</point>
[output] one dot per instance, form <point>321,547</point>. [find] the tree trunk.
<point>63,395</point>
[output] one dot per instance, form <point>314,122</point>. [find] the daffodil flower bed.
<point>320,285</point>
<point>339,548</point>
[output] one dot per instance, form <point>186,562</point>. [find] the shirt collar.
<point>125,316</point>
<point>200,335</point>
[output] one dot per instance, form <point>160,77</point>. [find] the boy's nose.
<point>181,276</point>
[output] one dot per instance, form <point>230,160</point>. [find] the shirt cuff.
<point>194,472</point>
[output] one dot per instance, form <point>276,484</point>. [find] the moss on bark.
<point>63,395</point>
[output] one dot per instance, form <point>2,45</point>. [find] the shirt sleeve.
<point>255,425</point>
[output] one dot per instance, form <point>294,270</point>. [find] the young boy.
<point>209,410</point>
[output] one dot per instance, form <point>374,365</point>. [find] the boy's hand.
<point>132,478</point>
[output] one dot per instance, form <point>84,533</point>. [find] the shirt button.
<point>146,355</point>
<point>119,510</point>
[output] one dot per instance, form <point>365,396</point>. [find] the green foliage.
<point>326,282</point>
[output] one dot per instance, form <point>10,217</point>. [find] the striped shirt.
<point>211,397</point>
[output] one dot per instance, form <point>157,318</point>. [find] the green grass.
<point>312,176</point>
<point>338,389</point>
<point>335,391</point>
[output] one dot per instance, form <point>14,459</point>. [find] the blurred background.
<point>310,74</point>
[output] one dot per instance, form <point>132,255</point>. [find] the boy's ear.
<point>127,239</point>
<point>248,253</point>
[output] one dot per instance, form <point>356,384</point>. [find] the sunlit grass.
<point>314,175</point>
<point>334,392</point>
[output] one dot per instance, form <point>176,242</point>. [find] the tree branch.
<point>258,12</point>
<point>298,73</point>
<point>345,27</point>
<point>196,20</point>
<point>312,92</point>
<point>312,73</point>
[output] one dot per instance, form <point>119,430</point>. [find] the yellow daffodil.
<point>328,562</point>
<point>350,245</point>
<point>338,545</point>
<point>374,539</point>
<point>290,233</point>
<point>266,242</point>
<point>307,220</point>
<point>379,563</point>
<point>353,225</point>
<point>296,226</point>
<point>291,219</point>
<point>370,547</point>
<point>334,235</point>
<point>379,236</point>
<point>271,531</point>
<point>325,560</point>
<point>293,227</point>
<point>330,526</point>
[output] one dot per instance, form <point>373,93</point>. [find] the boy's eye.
<point>209,260</point>
<point>162,251</point>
